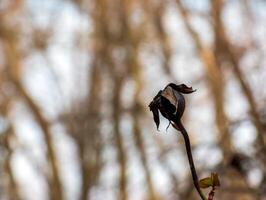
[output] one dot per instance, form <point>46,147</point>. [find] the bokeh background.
<point>76,78</point>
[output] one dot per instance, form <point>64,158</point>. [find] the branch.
<point>14,66</point>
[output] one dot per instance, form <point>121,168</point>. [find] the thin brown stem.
<point>179,126</point>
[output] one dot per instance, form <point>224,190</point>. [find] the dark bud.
<point>170,102</point>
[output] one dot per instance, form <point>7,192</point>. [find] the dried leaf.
<point>154,107</point>
<point>155,112</point>
<point>182,88</point>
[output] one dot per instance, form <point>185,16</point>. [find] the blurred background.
<point>76,78</point>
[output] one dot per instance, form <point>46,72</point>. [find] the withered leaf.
<point>182,88</point>
<point>154,107</point>
<point>155,112</point>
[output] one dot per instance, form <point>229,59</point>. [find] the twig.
<point>179,126</point>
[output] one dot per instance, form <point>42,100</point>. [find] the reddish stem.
<point>211,194</point>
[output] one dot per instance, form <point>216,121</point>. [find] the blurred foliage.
<point>76,78</point>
